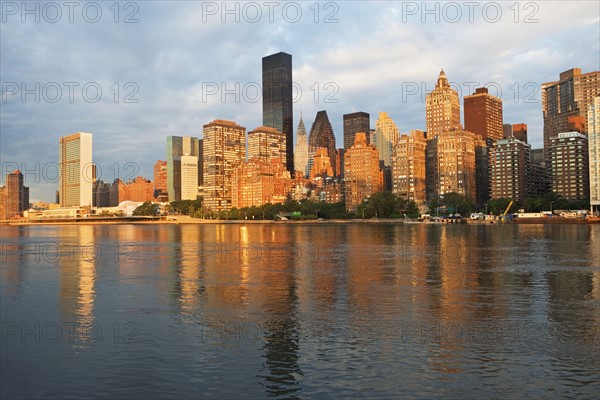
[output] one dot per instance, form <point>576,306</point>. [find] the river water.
<point>300,311</point>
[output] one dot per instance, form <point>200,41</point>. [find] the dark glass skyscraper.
<point>353,123</point>
<point>277,99</point>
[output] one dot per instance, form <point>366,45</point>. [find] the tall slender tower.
<point>321,135</point>
<point>277,99</point>
<point>76,170</point>
<point>593,126</point>
<point>301,149</point>
<point>442,108</point>
<point>386,136</point>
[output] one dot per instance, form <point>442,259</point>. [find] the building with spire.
<point>321,135</point>
<point>442,108</point>
<point>301,149</point>
<point>386,136</point>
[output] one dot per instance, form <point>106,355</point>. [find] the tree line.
<point>378,205</point>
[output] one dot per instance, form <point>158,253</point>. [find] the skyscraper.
<point>566,101</point>
<point>189,177</point>
<point>178,146</point>
<point>266,144</point>
<point>160,178</point>
<point>224,151</point>
<point>301,149</point>
<point>386,135</point>
<point>354,123</point>
<point>408,166</point>
<point>569,162</point>
<point>14,196</point>
<point>510,160</point>
<point>593,126</point>
<point>483,114</point>
<point>442,108</point>
<point>451,164</point>
<point>321,135</point>
<point>76,171</point>
<point>361,169</point>
<point>277,99</point>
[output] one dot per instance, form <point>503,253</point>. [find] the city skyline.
<point>170,101</point>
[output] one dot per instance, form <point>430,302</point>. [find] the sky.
<point>133,73</point>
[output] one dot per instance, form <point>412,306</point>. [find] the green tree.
<point>433,206</point>
<point>186,207</point>
<point>457,203</point>
<point>147,208</point>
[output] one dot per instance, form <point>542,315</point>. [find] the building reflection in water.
<point>280,301</point>
<point>189,271</point>
<point>77,271</point>
<point>571,283</point>
<point>13,263</point>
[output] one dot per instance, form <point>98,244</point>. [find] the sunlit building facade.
<point>483,114</point>
<point>266,144</point>
<point>442,107</point>
<point>386,135</point>
<point>510,160</point>
<point>408,167</point>
<point>362,174</point>
<point>321,164</point>
<point>259,182</point>
<point>569,165</point>
<point>14,196</point>
<point>321,135</point>
<point>177,147</point>
<point>356,122</point>
<point>76,171</point>
<point>565,102</point>
<point>160,178</point>
<point>224,145</point>
<point>593,123</point>
<point>451,161</point>
<point>189,177</point>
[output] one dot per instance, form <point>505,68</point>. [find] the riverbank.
<point>184,219</point>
